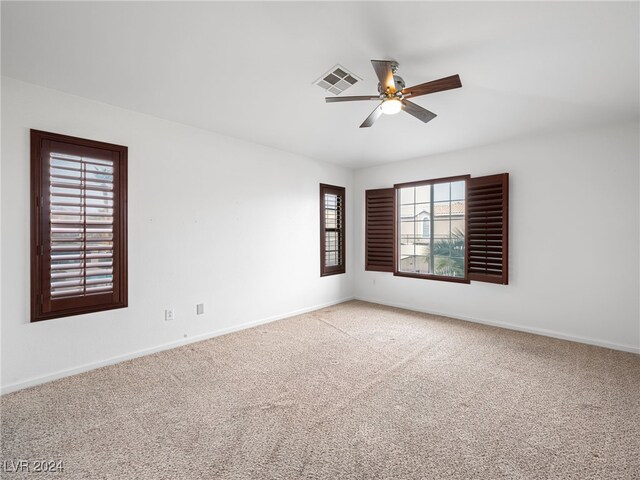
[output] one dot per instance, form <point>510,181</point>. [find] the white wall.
<point>212,220</point>
<point>574,237</point>
<point>234,225</point>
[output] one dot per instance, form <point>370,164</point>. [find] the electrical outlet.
<point>200,309</point>
<point>169,315</point>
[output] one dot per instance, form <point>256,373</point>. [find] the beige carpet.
<point>355,391</point>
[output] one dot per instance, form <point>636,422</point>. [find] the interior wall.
<point>234,225</point>
<point>212,220</point>
<point>574,235</point>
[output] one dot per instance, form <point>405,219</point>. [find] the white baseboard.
<point>166,346</point>
<point>512,326</point>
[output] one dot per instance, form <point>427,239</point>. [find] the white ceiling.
<point>246,69</point>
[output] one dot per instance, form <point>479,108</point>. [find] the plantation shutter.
<point>487,234</point>
<point>380,206</point>
<point>81,229</point>
<point>332,230</point>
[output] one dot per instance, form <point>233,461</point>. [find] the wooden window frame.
<point>326,270</point>
<point>428,276</point>
<point>40,231</point>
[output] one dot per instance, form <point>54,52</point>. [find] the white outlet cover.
<point>169,315</point>
<point>199,308</point>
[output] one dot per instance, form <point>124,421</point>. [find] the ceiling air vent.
<point>337,80</point>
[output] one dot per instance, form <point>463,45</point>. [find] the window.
<point>78,226</point>
<point>453,229</point>
<point>431,229</point>
<point>426,226</point>
<point>332,235</point>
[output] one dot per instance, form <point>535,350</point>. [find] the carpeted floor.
<point>355,391</point>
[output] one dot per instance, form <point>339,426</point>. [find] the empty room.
<point>320,240</point>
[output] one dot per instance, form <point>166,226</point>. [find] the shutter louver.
<point>487,231</point>
<point>80,225</point>
<point>380,208</point>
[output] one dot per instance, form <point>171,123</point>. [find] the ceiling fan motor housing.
<point>400,85</point>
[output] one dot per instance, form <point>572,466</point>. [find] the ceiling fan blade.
<point>417,111</point>
<point>434,86</point>
<point>384,73</point>
<point>375,115</point>
<point>350,99</point>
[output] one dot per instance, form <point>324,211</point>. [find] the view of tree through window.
<point>431,228</point>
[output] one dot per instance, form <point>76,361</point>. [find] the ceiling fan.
<point>393,93</point>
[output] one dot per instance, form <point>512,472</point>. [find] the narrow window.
<point>332,230</point>
<point>78,226</point>
<point>431,227</point>
<point>426,227</point>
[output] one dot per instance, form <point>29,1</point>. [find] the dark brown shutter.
<point>380,227</point>
<point>488,214</point>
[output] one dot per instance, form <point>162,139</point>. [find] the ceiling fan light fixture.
<point>394,95</point>
<point>391,106</point>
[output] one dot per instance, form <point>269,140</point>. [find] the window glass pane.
<point>457,209</point>
<point>409,228</point>
<point>99,211</point>
<point>441,209</point>
<point>432,212</point>
<point>407,195</point>
<point>441,191</point>
<point>58,162</point>
<point>457,190</point>
<point>423,210</point>
<point>415,264</point>
<point>423,194</point>
<point>55,172</point>
<point>330,201</point>
<point>406,253</point>
<point>441,228</point>
<point>426,228</point>
<point>407,212</point>
<point>331,240</point>
<point>98,193</point>
<point>95,202</point>
<point>98,161</point>
<point>330,219</point>
<point>76,192</point>
<point>457,226</point>
<point>448,266</point>
<point>99,177</point>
